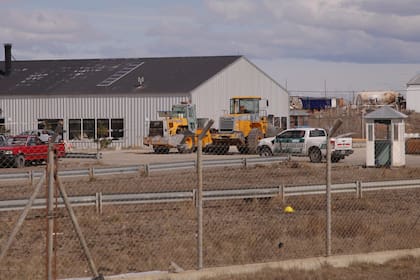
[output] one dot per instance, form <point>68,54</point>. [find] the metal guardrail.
<point>83,155</point>
<point>147,168</point>
<point>164,166</point>
<point>99,199</point>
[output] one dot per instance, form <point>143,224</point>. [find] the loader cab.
<point>186,112</point>
<point>245,105</point>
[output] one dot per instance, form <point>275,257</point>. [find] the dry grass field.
<point>133,238</point>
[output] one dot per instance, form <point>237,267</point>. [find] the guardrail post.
<point>359,190</point>
<point>194,198</point>
<point>31,178</point>
<point>244,163</point>
<point>91,173</point>
<point>281,193</point>
<point>98,202</point>
<point>146,170</point>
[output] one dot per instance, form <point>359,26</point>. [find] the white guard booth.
<point>385,143</point>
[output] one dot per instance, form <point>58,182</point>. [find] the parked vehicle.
<point>243,127</point>
<point>311,142</point>
<point>23,150</point>
<point>43,134</point>
<point>178,128</point>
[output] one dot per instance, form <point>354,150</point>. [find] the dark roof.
<point>111,76</point>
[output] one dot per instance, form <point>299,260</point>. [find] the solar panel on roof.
<point>119,74</point>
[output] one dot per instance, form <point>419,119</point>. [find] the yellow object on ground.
<point>289,209</point>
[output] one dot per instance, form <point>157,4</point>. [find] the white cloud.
<point>232,9</point>
<point>331,30</point>
<point>36,33</point>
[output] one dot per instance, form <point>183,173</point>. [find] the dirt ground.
<point>406,268</point>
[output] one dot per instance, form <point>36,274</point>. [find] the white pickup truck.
<point>310,142</point>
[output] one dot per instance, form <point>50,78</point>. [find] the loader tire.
<point>221,148</point>
<point>271,131</point>
<point>161,150</point>
<point>254,136</point>
<point>242,149</point>
<point>188,144</point>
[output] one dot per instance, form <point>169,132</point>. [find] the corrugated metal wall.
<point>241,78</point>
<point>413,98</point>
<point>22,113</point>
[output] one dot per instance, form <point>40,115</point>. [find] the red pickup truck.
<point>24,150</point>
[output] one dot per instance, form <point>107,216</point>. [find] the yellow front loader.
<point>178,128</point>
<point>243,127</point>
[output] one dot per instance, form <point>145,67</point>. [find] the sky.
<point>312,47</point>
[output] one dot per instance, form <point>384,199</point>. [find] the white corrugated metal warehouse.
<point>122,95</point>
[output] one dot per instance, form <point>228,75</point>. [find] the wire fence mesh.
<point>252,213</point>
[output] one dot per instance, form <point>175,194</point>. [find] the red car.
<point>24,150</point>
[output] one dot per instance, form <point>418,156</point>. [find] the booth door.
<point>383,152</point>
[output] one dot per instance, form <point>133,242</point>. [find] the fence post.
<point>331,131</point>
<point>200,194</point>
<point>50,215</point>
<point>199,206</point>
<point>328,201</point>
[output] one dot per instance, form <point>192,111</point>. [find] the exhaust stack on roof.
<point>7,59</point>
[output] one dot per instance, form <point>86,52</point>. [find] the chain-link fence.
<point>252,212</point>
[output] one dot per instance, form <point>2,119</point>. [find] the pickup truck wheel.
<point>335,158</point>
<point>315,155</point>
<point>19,162</point>
<point>265,152</point>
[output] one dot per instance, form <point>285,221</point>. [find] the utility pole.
<point>325,88</point>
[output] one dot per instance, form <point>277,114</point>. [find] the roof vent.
<point>140,80</point>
